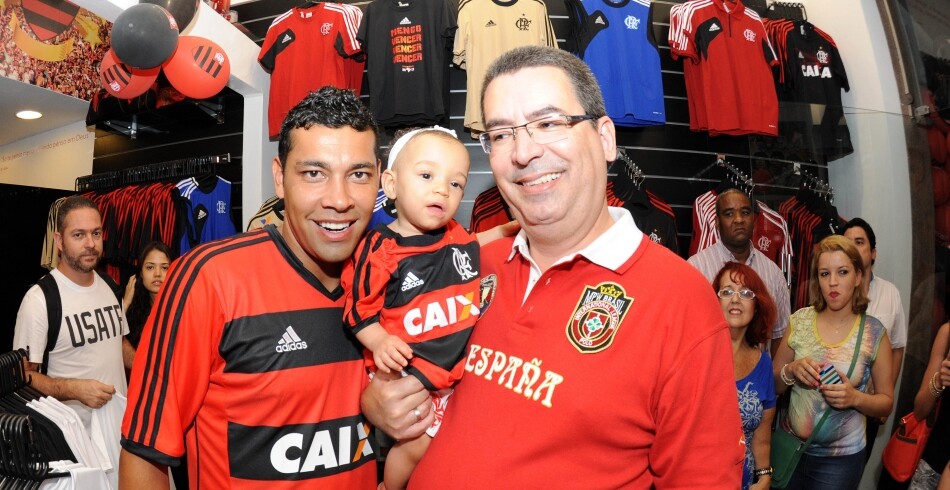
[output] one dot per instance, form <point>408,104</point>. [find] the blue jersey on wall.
<point>209,213</point>
<point>616,40</point>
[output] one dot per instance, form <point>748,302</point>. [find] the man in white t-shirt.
<point>86,366</point>
<point>884,304</point>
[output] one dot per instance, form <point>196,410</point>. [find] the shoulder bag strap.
<point>854,360</point>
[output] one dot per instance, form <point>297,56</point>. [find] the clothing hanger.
<point>629,178</point>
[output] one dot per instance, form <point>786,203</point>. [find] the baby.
<point>412,287</point>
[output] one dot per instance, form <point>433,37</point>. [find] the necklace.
<point>839,323</point>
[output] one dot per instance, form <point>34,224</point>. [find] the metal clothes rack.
<point>819,187</point>
<point>787,10</point>
<point>184,167</point>
<point>735,175</point>
<point>632,170</point>
<point>23,463</point>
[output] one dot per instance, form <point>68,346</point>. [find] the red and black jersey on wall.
<point>727,60</point>
<point>811,74</point>
<point>406,44</point>
<point>308,48</point>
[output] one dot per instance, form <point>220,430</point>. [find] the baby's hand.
<point>392,354</point>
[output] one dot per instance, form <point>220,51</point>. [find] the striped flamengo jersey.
<point>245,362</point>
<point>423,289</point>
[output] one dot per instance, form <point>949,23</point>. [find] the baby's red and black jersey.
<point>423,289</point>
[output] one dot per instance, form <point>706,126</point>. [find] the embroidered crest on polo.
<point>487,286</point>
<point>597,317</point>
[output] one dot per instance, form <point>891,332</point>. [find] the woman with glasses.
<point>829,353</point>
<point>750,312</point>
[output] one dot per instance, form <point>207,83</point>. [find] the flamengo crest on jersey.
<point>597,317</point>
<point>463,264</point>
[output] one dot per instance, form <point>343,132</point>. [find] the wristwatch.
<point>760,472</point>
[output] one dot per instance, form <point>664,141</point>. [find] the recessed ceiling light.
<point>29,115</point>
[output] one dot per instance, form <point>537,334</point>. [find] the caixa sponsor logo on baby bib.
<point>299,452</point>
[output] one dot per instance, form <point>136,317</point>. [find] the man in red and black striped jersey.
<point>600,359</point>
<point>244,363</point>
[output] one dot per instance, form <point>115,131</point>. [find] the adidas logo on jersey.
<point>290,341</point>
<point>286,39</point>
<point>490,23</point>
<point>202,214</point>
<point>599,20</point>
<point>411,281</point>
<point>404,21</point>
<point>714,28</point>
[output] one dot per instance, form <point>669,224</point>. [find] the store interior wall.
<point>49,160</point>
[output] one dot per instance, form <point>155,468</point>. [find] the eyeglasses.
<point>729,293</point>
<point>548,129</point>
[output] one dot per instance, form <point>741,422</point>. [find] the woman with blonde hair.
<point>830,352</point>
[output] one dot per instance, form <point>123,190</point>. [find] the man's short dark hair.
<point>730,191</point>
<point>586,89</point>
<point>331,107</point>
<point>860,223</point>
<point>68,205</point>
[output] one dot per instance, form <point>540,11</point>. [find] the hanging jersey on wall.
<point>727,67</point>
<point>49,257</point>
<point>209,212</point>
<point>486,30</point>
<point>308,48</point>
<point>271,212</point>
<point>810,79</point>
<point>651,214</point>
<point>809,221</point>
<point>406,44</point>
<point>618,44</point>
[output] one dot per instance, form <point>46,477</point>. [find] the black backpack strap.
<point>54,315</point>
<point>116,290</point>
<point>54,310</point>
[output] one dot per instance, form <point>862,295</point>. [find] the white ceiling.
<point>58,110</point>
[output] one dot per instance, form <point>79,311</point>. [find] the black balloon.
<point>182,10</point>
<point>144,36</point>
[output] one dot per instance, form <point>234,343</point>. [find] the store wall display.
<point>59,53</point>
<point>679,164</point>
<point>727,65</point>
<point>616,39</point>
<point>407,45</point>
<point>488,28</point>
<point>810,74</point>
<point>306,48</point>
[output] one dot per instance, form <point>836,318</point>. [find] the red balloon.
<point>122,80</point>
<point>199,68</point>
